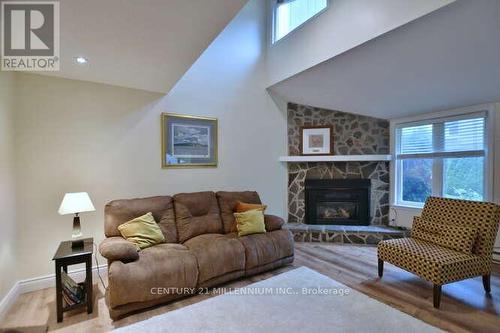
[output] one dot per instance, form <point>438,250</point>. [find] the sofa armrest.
<point>118,248</point>
<point>273,222</point>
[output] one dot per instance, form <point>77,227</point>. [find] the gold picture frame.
<point>188,141</point>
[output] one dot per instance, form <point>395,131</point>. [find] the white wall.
<point>81,136</point>
<point>405,214</point>
<point>344,25</point>
<point>8,238</point>
<point>228,82</point>
<point>76,136</point>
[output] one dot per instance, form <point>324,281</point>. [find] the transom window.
<point>290,14</point>
<point>441,157</point>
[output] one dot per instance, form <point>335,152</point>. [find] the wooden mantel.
<point>336,158</point>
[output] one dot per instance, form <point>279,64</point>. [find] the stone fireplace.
<point>340,201</point>
<point>352,135</point>
<point>337,201</point>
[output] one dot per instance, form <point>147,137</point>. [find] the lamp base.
<point>77,244</point>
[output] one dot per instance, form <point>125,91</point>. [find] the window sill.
<point>407,207</point>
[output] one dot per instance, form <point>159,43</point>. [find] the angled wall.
<point>228,82</point>
<point>343,26</point>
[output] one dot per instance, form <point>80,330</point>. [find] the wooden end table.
<point>66,256</point>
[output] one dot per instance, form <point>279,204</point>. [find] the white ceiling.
<point>447,59</point>
<point>143,44</point>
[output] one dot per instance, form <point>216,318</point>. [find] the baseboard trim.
<point>9,299</point>
<point>496,255</point>
<point>48,281</point>
<point>43,282</point>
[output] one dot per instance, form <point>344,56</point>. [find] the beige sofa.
<point>201,248</point>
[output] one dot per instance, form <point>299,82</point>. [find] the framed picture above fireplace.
<point>316,140</point>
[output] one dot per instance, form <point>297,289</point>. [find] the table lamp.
<point>76,203</point>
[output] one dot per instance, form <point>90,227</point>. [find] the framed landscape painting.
<point>188,141</point>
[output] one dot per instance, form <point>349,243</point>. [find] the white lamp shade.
<point>73,203</point>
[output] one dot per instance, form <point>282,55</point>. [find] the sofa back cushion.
<point>452,236</point>
<point>196,214</point>
<point>484,216</point>
<point>118,212</point>
<point>227,204</point>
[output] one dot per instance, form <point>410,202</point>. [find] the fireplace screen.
<point>337,201</point>
<point>336,210</point>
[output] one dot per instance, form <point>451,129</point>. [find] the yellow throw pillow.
<point>242,207</point>
<point>143,231</point>
<point>250,222</point>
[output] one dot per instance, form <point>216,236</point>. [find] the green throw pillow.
<point>143,231</point>
<point>250,222</point>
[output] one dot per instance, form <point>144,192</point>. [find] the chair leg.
<point>437,296</point>
<point>380,268</point>
<point>486,283</point>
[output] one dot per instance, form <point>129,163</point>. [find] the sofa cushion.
<point>118,212</point>
<point>161,266</point>
<point>453,236</point>
<point>228,202</point>
<point>262,249</point>
<point>216,255</point>
<point>432,262</point>
<point>196,214</point>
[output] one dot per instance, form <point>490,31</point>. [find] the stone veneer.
<point>352,135</point>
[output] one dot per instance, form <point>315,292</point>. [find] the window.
<point>290,14</point>
<point>441,157</point>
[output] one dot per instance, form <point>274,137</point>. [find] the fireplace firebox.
<point>337,201</point>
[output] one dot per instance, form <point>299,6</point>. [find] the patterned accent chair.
<point>452,240</point>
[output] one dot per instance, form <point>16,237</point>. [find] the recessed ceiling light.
<point>81,60</point>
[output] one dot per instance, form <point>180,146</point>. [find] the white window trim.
<point>453,114</point>
<point>274,5</point>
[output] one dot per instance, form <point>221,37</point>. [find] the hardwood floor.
<point>464,305</point>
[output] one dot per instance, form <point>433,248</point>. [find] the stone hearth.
<point>365,235</point>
